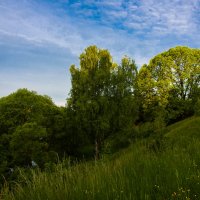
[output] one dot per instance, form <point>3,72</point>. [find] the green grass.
<point>188,128</point>
<point>183,132</point>
<point>136,173</point>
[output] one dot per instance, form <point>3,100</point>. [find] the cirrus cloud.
<point>40,39</point>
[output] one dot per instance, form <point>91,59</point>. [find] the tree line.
<point>107,100</point>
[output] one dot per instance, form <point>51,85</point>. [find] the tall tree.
<point>89,101</point>
<point>102,99</point>
<point>174,73</point>
<point>124,95</point>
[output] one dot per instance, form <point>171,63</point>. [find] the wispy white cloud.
<point>43,28</point>
<point>38,27</point>
<point>39,24</point>
<point>177,17</point>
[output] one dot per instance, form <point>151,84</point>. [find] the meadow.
<point>138,172</point>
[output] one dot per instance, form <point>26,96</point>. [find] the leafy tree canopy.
<point>23,106</point>
<point>175,72</point>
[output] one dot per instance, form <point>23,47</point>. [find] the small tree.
<point>28,144</point>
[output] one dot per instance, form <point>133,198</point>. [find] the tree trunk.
<point>97,149</point>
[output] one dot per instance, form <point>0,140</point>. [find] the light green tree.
<point>176,71</point>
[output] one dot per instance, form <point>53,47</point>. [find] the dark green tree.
<point>16,111</point>
<point>102,99</point>
<point>89,101</point>
<point>28,145</point>
<point>23,106</point>
<point>124,96</point>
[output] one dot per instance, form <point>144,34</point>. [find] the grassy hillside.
<point>187,128</point>
<point>136,173</point>
<point>184,132</point>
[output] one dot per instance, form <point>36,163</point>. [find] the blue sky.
<point>40,39</point>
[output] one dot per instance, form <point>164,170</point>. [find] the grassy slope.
<point>188,128</point>
<point>137,173</point>
<point>184,132</point>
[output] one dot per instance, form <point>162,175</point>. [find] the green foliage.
<point>28,143</point>
<point>197,108</point>
<point>119,141</point>
<point>5,156</point>
<point>171,80</point>
<point>124,99</point>
<point>89,103</point>
<point>26,120</point>
<point>110,107</point>
<point>102,99</point>
<point>21,107</point>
